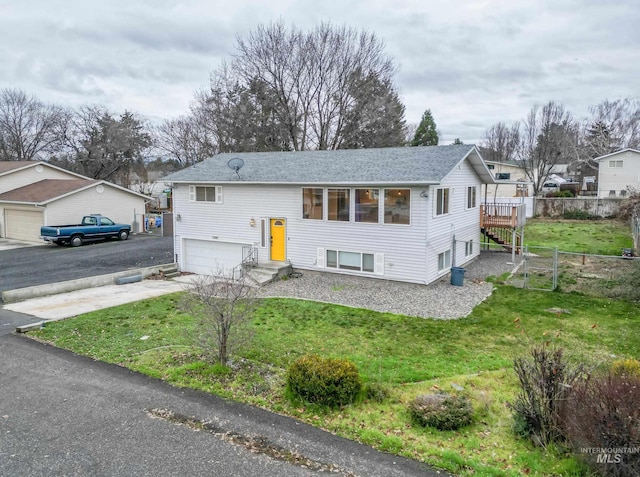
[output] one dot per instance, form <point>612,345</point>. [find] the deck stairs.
<point>503,224</point>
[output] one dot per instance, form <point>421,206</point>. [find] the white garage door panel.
<point>23,224</point>
<point>207,258</point>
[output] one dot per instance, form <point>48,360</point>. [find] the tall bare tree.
<point>27,126</point>
<point>549,137</point>
<point>500,142</point>
<point>300,90</point>
<point>184,139</point>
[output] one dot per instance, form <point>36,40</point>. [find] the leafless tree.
<point>184,139</point>
<point>222,308</point>
<point>500,142</point>
<point>299,87</point>
<point>549,137</point>
<point>27,126</point>
<point>613,125</point>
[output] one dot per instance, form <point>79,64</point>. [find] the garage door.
<point>208,258</point>
<point>23,224</point>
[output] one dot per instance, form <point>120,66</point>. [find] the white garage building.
<point>33,194</point>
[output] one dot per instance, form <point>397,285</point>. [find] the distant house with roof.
<point>510,180</point>
<point>33,194</point>
<point>618,172</point>
<point>406,214</point>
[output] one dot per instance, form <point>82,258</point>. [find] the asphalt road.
<point>63,414</point>
<point>38,265</point>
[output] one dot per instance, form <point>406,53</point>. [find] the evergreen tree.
<point>426,134</point>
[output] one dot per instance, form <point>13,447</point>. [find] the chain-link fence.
<point>545,268</point>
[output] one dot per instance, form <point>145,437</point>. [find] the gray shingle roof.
<point>429,164</point>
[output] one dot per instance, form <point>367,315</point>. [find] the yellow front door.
<point>278,239</point>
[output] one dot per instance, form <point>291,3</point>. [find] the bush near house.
<point>326,381</point>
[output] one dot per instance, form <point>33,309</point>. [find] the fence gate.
<point>539,269</point>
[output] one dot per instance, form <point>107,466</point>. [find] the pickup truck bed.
<point>93,228</point>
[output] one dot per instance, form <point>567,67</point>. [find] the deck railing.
<point>502,215</point>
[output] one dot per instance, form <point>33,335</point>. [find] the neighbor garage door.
<point>23,224</point>
<point>207,258</point>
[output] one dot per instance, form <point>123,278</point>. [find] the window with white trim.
<point>468,248</point>
<point>444,260</point>
<point>471,197</point>
<point>205,193</point>
<point>397,206</point>
<point>356,261</point>
<point>312,203</point>
<point>442,201</point>
<point>367,205</point>
<point>617,163</point>
<point>338,204</point>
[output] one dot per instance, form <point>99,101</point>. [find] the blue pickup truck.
<point>93,227</point>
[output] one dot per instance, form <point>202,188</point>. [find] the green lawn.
<point>406,354</point>
<point>599,237</point>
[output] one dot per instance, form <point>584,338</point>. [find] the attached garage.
<point>21,224</point>
<point>208,257</point>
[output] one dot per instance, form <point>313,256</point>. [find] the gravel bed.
<point>438,300</point>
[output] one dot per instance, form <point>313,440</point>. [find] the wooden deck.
<point>512,216</point>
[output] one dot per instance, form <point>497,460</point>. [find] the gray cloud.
<point>471,63</point>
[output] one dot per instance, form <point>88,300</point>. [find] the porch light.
<point>252,222</point>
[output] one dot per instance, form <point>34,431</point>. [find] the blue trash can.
<point>457,276</point>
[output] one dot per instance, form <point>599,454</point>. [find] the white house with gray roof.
<point>406,214</point>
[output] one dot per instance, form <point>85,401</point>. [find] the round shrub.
<point>442,411</point>
<point>326,381</point>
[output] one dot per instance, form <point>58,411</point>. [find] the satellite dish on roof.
<point>236,164</point>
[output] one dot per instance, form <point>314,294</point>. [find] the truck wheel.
<point>123,235</point>
<point>76,241</point>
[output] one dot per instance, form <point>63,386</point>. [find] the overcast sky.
<point>473,63</point>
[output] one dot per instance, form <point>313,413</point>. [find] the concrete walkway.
<point>66,305</point>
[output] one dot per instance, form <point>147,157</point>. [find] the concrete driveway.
<point>63,414</point>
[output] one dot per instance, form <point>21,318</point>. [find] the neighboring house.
<point>617,172</point>
<point>510,180</point>
<point>33,194</point>
<point>14,174</point>
<point>406,214</point>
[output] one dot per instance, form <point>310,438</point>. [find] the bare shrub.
<point>222,308</point>
<point>601,421</point>
<point>545,381</point>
